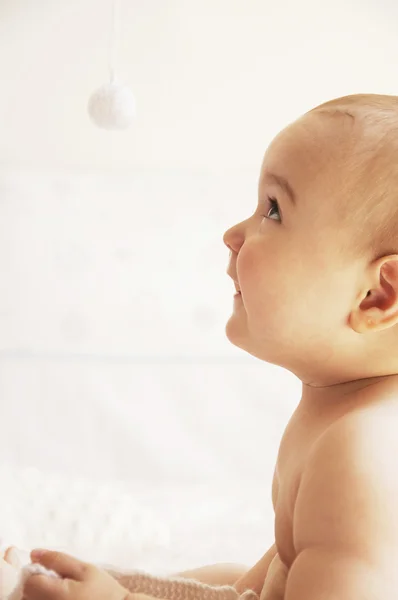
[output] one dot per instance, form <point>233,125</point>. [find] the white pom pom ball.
<point>112,106</point>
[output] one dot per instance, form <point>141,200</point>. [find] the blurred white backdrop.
<point>114,366</point>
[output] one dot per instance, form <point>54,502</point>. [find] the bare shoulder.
<point>348,492</point>
<point>365,438</point>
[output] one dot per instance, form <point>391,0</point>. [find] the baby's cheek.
<point>285,290</point>
<point>266,286</point>
<point>290,305</point>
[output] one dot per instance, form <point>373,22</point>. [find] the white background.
<point>114,366</point>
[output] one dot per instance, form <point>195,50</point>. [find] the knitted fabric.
<point>163,588</point>
<point>177,588</point>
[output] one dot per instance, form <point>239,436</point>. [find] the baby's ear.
<point>377,306</point>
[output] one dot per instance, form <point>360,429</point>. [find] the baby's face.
<point>297,285</point>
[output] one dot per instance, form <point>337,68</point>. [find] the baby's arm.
<point>239,576</point>
<point>255,577</point>
<point>220,575</point>
<point>221,581</point>
<point>142,586</point>
<point>345,519</point>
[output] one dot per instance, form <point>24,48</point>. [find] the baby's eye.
<point>274,212</point>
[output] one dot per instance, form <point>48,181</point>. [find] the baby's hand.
<point>79,580</point>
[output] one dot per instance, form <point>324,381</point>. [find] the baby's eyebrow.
<point>283,183</point>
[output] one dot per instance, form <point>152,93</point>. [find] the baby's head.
<point>317,262</point>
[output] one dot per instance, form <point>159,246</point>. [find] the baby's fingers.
<point>63,564</point>
<point>42,587</point>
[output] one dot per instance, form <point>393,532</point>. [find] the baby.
<point>316,272</point>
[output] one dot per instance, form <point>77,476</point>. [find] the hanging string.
<point>113,39</point>
<point>112,106</point>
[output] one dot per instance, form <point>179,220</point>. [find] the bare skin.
<point>329,316</point>
<point>306,426</point>
<point>365,404</point>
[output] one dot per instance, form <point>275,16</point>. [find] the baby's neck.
<point>343,394</point>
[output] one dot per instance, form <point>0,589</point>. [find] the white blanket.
<point>162,529</point>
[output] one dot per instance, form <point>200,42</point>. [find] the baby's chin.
<point>237,333</point>
<point>269,350</point>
